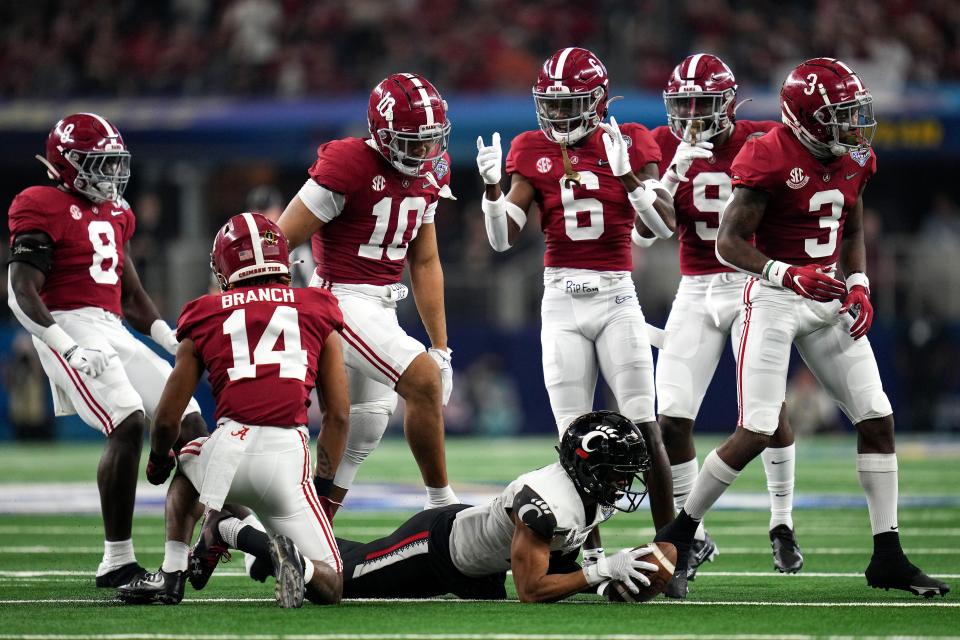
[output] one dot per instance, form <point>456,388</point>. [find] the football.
<point>665,557</point>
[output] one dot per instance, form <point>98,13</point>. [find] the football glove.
<point>443,357</point>
<point>624,566</point>
<point>91,362</point>
<point>616,148</point>
<point>164,336</point>
<point>159,466</point>
<point>682,159</point>
<point>859,297</point>
<point>489,159</point>
<point>809,281</point>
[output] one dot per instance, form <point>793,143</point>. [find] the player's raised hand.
<point>91,362</point>
<point>811,282</point>
<point>489,159</point>
<point>685,155</point>
<point>616,148</point>
<point>859,297</point>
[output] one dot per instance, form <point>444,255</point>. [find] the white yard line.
<point>452,636</point>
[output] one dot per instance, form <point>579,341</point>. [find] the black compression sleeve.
<point>35,252</point>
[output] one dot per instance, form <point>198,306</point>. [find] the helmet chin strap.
<point>51,171</point>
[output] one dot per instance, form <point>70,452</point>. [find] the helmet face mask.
<point>851,124</point>
<point>698,116</point>
<point>409,152</point>
<point>102,176</point>
<point>567,117</point>
<point>604,455</point>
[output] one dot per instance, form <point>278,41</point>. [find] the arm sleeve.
<point>753,167</point>
<point>430,213</point>
<point>321,202</point>
<point>534,512</point>
<point>643,149</point>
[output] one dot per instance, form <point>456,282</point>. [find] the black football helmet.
<point>604,453</point>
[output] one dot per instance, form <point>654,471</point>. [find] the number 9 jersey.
<point>88,243</point>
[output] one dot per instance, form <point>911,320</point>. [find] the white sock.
<point>175,556</point>
<point>715,476</point>
<point>878,477</point>
<point>684,475</point>
<point>229,529</point>
<point>780,465</point>
<point>116,554</point>
<point>308,570</point>
<point>440,497</point>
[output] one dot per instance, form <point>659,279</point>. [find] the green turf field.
<point>47,563</point>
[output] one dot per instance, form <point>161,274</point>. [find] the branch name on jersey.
<point>699,201</point>
<point>544,500</point>
<point>382,211</point>
<point>261,346</point>
<point>808,200</point>
<point>88,245</point>
<point>585,226</point>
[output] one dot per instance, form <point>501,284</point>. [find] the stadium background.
<point>222,101</point>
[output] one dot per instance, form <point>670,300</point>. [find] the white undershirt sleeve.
<point>322,202</point>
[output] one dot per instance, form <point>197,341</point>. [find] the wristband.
<point>57,339</point>
<point>858,279</point>
<point>774,271</point>
<point>641,241</point>
<point>652,183</point>
<point>492,208</point>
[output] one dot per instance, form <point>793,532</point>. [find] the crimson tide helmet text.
<point>86,154</point>
<point>248,246</point>
<point>571,95</point>
<point>828,107</point>
<point>408,121</point>
<point>700,98</point>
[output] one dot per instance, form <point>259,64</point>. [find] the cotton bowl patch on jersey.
<point>860,156</point>
<point>440,168</point>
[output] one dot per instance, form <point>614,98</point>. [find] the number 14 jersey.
<point>374,215</point>
<point>88,243</point>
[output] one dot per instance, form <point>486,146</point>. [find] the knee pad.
<point>366,430</point>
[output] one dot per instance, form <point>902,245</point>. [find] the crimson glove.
<point>808,281</point>
<point>859,296</point>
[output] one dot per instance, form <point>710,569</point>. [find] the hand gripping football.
<point>665,557</point>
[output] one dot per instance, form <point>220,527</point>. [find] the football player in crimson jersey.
<point>265,345</point>
<point>594,183</point>
<point>72,282</point>
<point>799,191</point>
<point>698,144</point>
<point>367,203</point>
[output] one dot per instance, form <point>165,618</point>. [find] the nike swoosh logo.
<point>894,528</point>
<point>781,495</point>
<point>116,213</point>
<point>621,299</point>
<point>777,461</point>
<point>602,162</point>
<point>852,175</point>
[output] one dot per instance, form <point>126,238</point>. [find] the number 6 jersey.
<point>371,211</point>
<point>260,346</point>
<point>88,242</point>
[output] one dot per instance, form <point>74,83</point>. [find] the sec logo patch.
<point>75,212</point>
<point>378,183</point>
<point>544,165</point>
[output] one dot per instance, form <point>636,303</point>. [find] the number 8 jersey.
<point>586,226</point>
<point>371,212</point>
<point>88,243</point>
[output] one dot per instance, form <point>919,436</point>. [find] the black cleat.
<point>121,575</point>
<point>209,550</point>
<point>787,557</point>
<point>162,587</point>
<point>897,572</point>
<point>701,551</point>
<point>677,588</point>
<point>288,571</point>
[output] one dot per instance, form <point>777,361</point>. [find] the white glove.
<point>443,358</point>
<point>684,157</point>
<point>164,336</point>
<point>91,362</point>
<point>489,159</point>
<point>616,148</point>
<point>624,567</point>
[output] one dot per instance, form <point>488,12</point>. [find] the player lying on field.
<point>265,345</point>
<point>536,527</point>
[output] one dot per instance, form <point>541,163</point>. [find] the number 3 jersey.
<point>699,201</point>
<point>808,200</point>
<point>88,245</point>
<point>371,211</point>
<point>260,346</point>
<point>586,226</point>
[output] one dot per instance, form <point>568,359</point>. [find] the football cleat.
<point>121,575</point>
<point>677,588</point>
<point>209,550</point>
<point>898,573</point>
<point>288,571</point>
<point>161,586</point>
<point>701,551</point>
<point>787,557</point>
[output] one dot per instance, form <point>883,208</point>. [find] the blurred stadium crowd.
<point>297,47</point>
<point>284,49</point>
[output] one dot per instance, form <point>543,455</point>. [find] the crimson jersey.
<point>699,201</point>
<point>382,212</point>
<point>808,201</point>
<point>260,346</point>
<point>586,226</point>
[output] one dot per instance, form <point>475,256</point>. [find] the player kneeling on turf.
<point>536,527</point>
<point>265,345</point>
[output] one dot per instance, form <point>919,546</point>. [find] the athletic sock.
<point>229,529</point>
<point>175,556</point>
<point>308,569</point>
<point>248,559</point>
<point>440,497</point>
<point>684,476</point>
<point>116,553</point>
<point>780,466</point>
<point>878,477</point>
<point>251,540</point>
<point>715,476</point>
